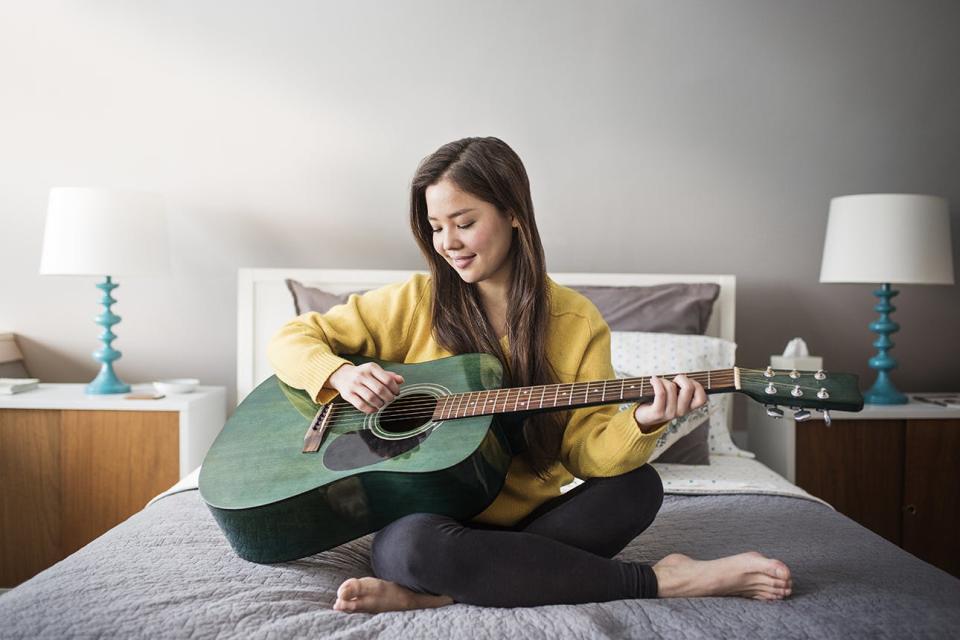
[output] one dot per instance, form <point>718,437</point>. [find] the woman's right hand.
<point>368,387</point>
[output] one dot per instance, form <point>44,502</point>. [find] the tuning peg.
<point>768,373</point>
<point>774,411</point>
<point>826,417</point>
<point>801,415</point>
<point>820,375</point>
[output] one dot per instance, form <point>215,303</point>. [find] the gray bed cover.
<point>168,572</point>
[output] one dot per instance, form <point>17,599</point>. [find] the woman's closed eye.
<point>459,226</point>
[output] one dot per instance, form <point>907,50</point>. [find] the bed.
<point>169,572</point>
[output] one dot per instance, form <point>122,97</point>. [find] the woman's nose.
<point>450,240</point>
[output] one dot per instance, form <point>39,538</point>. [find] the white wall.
<point>672,136</point>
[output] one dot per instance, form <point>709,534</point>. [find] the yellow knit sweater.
<point>393,323</point>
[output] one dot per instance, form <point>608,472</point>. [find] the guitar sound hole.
<point>407,413</point>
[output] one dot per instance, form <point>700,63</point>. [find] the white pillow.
<point>640,353</point>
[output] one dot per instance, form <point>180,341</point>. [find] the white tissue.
<point>796,356</point>
<point>796,348</point>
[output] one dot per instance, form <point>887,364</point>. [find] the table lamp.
<point>887,238</point>
<point>104,232</point>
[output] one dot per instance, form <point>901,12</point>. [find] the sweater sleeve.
<point>603,441</point>
<point>306,350</point>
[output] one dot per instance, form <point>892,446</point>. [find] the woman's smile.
<point>463,262</point>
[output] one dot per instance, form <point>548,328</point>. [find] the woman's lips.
<point>463,262</point>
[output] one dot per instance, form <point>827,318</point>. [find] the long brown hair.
<point>490,170</point>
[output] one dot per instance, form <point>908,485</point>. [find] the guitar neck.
<point>572,395</point>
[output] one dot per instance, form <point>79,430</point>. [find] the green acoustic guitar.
<point>287,478</point>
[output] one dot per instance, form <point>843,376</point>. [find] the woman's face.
<point>471,235</point>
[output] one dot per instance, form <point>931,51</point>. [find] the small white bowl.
<point>176,385</point>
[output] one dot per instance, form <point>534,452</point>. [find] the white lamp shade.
<point>104,232</point>
<point>888,237</point>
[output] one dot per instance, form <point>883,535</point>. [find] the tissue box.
<point>800,363</point>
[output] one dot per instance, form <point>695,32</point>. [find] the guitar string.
<point>417,409</point>
<point>723,379</point>
<point>349,418</point>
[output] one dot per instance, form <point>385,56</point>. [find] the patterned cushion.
<point>638,353</point>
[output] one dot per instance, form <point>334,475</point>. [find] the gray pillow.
<point>692,448</point>
<point>312,299</point>
<point>683,308</point>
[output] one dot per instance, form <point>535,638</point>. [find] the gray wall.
<point>672,136</point>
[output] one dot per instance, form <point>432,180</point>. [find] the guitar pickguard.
<point>361,448</point>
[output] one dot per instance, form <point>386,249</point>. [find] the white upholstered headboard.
<point>264,304</point>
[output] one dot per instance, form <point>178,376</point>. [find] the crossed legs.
<point>560,554</point>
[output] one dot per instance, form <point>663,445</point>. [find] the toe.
<point>349,590</point>
<point>780,570</point>
<point>349,606</point>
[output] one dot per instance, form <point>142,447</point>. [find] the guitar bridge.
<point>318,427</point>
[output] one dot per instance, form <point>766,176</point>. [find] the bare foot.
<point>373,595</point>
<point>750,575</point>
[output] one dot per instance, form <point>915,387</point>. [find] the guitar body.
<point>275,502</point>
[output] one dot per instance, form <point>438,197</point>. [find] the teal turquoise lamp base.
<point>106,381</point>
<point>883,390</point>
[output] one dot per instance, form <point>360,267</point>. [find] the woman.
<point>472,216</point>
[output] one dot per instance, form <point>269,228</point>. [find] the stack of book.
<point>9,386</point>
<point>942,399</point>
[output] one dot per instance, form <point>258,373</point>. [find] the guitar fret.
<point>543,392</point>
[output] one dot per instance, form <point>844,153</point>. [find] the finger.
<point>699,396</point>
<point>386,378</point>
<point>369,396</point>
<point>684,395</point>
<point>659,403</point>
<point>359,403</point>
<point>670,411</point>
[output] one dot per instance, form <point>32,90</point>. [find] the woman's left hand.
<point>671,399</point>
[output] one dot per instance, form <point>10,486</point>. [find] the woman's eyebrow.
<point>454,214</point>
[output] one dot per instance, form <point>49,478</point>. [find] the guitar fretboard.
<point>570,395</point>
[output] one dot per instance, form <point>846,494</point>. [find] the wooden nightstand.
<point>894,469</point>
<point>73,466</point>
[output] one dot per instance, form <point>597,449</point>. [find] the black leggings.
<point>559,554</point>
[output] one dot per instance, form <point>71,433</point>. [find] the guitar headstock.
<point>802,390</point>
